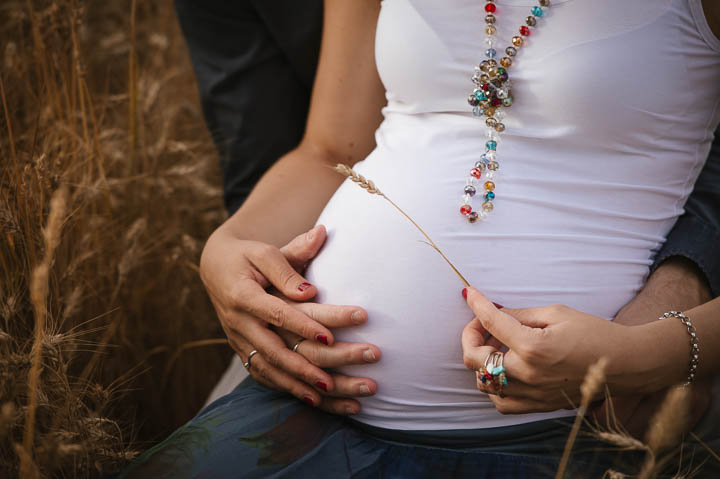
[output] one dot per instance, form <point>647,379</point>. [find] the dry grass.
<point>99,295</point>
<point>107,339</point>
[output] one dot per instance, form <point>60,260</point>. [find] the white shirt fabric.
<point>615,107</point>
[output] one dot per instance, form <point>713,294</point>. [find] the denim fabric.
<point>254,432</point>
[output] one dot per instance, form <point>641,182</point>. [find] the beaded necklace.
<point>492,89</point>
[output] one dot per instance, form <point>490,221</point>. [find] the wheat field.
<point>109,186</point>
<point>107,339</point>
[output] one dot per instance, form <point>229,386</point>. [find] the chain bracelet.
<point>694,344</point>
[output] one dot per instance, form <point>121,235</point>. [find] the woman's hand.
<point>236,274</point>
<point>550,349</point>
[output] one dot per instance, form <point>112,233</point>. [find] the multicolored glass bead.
<point>493,89</point>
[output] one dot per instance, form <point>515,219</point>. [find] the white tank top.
<point>615,105</point>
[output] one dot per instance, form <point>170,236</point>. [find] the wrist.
<point>659,355</point>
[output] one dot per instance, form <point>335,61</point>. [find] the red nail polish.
<point>308,400</point>
<point>304,286</point>
<point>321,385</point>
<point>464,293</point>
<point>498,306</point>
<point>322,339</point>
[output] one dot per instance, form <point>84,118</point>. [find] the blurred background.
<point>107,339</point>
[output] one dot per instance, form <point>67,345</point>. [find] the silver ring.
<point>294,348</point>
<point>247,363</point>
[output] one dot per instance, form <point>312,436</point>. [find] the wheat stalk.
<point>594,379</point>
<point>370,187</point>
<point>666,428</point>
<point>38,295</point>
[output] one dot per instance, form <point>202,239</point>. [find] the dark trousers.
<point>255,62</point>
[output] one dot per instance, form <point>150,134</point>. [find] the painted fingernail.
<point>321,385</point>
<point>364,389</point>
<point>464,293</point>
<point>498,306</point>
<point>369,356</point>
<point>322,339</point>
<point>304,286</point>
<point>357,317</point>
<point>349,410</point>
<point>309,400</point>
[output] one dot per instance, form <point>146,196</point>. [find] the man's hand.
<point>677,284</point>
<point>237,273</point>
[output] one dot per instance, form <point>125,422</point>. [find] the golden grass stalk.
<point>132,89</point>
<point>593,382</point>
<point>370,187</point>
<point>666,428</point>
<point>38,294</point>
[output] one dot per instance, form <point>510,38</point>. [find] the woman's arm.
<point>344,114</point>
<point>243,256</point>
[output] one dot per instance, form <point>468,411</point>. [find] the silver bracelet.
<point>694,345</point>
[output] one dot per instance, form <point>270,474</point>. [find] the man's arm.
<point>696,235</point>
<point>686,273</point>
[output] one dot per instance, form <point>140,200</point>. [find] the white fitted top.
<point>615,105</point>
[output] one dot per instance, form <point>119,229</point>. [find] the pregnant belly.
<point>374,258</point>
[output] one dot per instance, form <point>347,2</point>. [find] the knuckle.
<point>311,353</point>
<point>276,315</point>
<point>272,357</point>
<point>530,350</point>
<point>236,296</point>
<point>263,372</point>
<point>468,361</point>
<point>264,250</point>
<point>307,375</point>
<point>288,277</point>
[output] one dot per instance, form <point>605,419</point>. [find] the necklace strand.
<point>491,91</point>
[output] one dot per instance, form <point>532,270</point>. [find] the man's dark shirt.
<point>255,61</point>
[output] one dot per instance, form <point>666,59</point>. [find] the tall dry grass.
<point>100,301</point>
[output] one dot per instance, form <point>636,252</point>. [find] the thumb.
<point>498,323</point>
<point>304,247</point>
